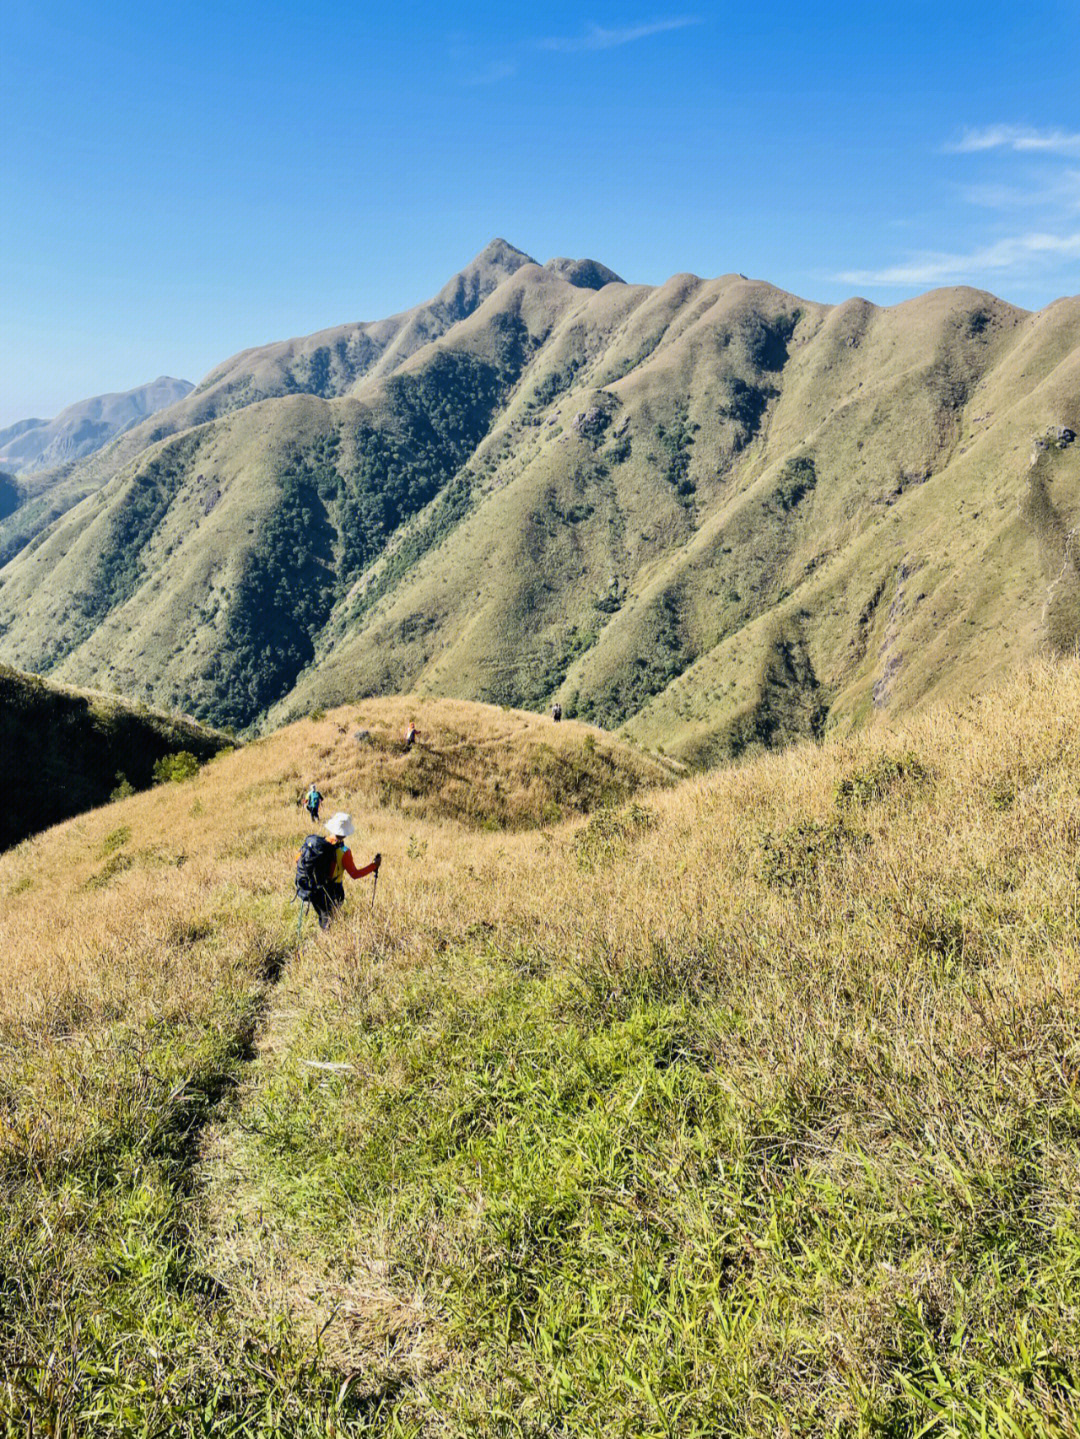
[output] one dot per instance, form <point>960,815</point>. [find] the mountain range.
<point>40,475</point>
<point>711,513</point>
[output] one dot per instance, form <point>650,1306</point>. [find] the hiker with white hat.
<point>322,865</point>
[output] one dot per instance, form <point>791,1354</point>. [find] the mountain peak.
<point>500,251</point>
<point>586,274</point>
<point>495,263</point>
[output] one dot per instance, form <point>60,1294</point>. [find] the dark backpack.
<point>314,866</point>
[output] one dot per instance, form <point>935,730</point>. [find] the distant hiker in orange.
<point>411,735</point>
<point>322,865</point>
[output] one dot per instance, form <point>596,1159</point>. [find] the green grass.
<point>613,1222</point>
<point>742,1108</point>
<point>111,1323</point>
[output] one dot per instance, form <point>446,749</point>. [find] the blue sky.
<point>178,182</point>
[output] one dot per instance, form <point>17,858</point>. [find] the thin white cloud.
<point>597,37</point>
<point>1061,192</point>
<point>1037,184</point>
<point>1021,139</point>
<point>1016,253</point>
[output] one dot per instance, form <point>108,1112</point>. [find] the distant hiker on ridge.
<point>556,711</point>
<point>313,801</point>
<point>411,735</point>
<point>322,865</point>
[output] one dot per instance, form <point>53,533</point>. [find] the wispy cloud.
<point>1018,170</point>
<point>1013,253</point>
<point>597,37</point>
<point>1044,192</point>
<point>475,71</point>
<point>1021,139</point>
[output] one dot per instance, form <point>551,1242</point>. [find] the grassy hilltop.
<point>709,513</point>
<point>746,1105</point>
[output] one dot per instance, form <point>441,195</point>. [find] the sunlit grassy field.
<point>742,1105</point>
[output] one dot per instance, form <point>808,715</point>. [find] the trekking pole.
<point>374,887</point>
<point>300,921</point>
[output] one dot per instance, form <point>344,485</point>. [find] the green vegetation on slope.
<point>693,516</point>
<point>64,751</point>
<point>333,519</point>
<point>132,525</point>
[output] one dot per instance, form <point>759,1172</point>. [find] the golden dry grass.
<point>93,908</point>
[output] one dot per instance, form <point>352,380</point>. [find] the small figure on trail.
<point>556,711</point>
<point>322,865</point>
<point>313,801</point>
<point>411,735</point>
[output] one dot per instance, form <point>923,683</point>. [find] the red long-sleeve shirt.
<point>345,864</point>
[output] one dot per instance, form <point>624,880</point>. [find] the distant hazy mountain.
<point>85,427</point>
<point>710,512</point>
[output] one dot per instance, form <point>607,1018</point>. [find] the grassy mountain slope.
<point>326,363</point>
<point>709,511</point>
<point>920,563</point>
<point>85,427</point>
<point>63,751</point>
<point>52,456</point>
<point>34,501</point>
<point>744,1107</point>
<point>782,514</point>
<point>253,525</point>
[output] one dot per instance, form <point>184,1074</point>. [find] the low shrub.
<point>175,767</point>
<point>123,788</point>
<point>114,840</point>
<point>802,853</point>
<point>879,778</point>
<point>609,832</point>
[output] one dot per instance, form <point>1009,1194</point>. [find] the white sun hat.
<point>340,824</point>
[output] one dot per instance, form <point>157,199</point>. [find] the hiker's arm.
<point>350,866</point>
